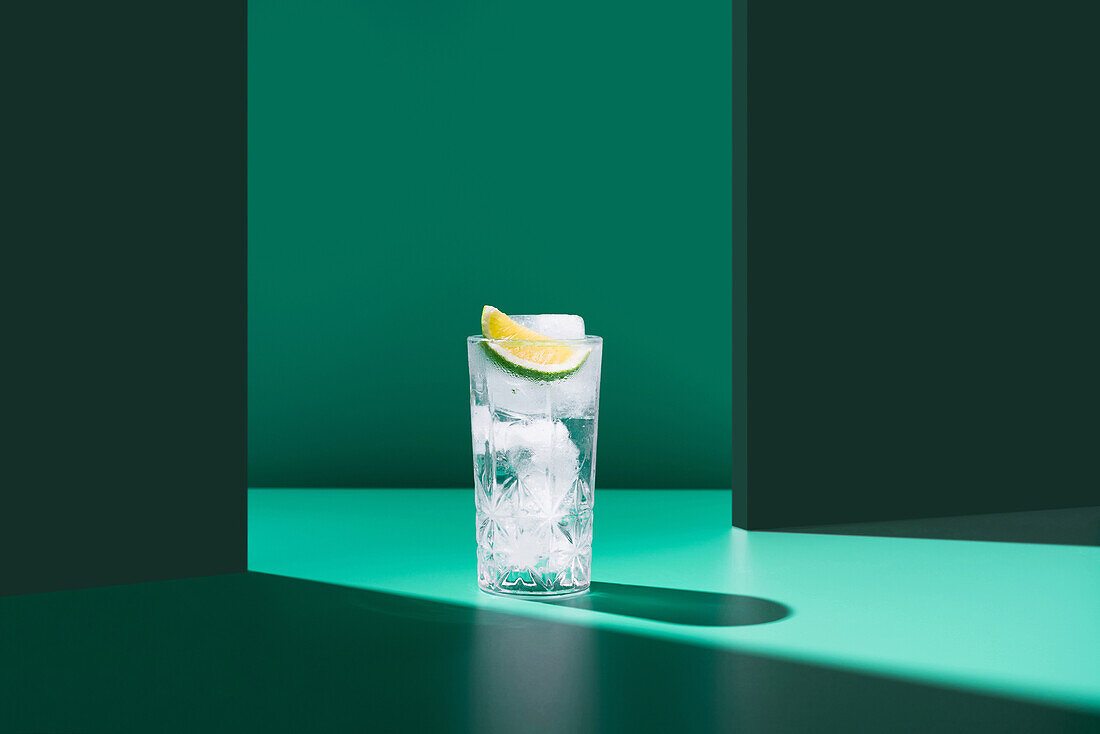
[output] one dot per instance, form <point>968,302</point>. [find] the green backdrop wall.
<point>409,162</point>
<point>921,262</point>
<point>124,246</point>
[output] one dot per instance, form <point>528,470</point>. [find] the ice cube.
<point>514,394</point>
<point>577,395</point>
<point>524,540</point>
<point>538,445</point>
<point>544,458</point>
<point>553,325</point>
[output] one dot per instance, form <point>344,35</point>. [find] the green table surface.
<point>1010,619</point>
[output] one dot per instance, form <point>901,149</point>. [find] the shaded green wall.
<point>124,342</point>
<point>922,261</point>
<point>409,162</point>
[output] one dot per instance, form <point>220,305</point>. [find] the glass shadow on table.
<point>260,653</point>
<point>678,606</point>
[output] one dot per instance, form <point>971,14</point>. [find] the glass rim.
<point>588,341</point>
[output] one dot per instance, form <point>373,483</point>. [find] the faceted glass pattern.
<point>534,452</point>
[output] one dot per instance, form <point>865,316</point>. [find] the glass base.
<point>540,562</point>
<point>527,594</point>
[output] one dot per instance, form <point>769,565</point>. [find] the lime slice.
<point>533,355</point>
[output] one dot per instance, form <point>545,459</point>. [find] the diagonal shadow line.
<point>678,606</point>
<point>271,653</point>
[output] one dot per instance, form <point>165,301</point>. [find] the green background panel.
<point>921,266</point>
<point>409,162</point>
<point>124,264</point>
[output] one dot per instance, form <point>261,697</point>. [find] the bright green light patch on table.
<point>1008,618</point>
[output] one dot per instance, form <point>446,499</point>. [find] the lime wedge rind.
<point>520,367</point>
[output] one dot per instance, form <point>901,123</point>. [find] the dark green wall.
<point>409,162</point>
<point>922,261</point>
<point>124,342</point>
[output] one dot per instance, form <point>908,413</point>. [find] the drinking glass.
<point>534,450</point>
